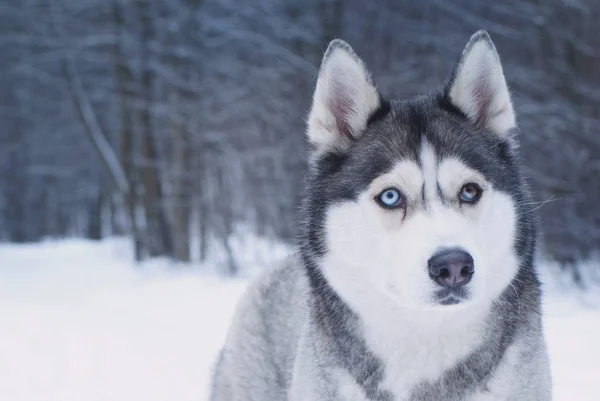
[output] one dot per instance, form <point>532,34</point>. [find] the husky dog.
<point>415,278</point>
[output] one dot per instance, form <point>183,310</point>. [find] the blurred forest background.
<point>181,122</point>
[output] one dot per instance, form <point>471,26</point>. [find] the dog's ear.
<point>478,87</point>
<point>344,99</point>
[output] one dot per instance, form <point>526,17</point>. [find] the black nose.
<point>451,267</point>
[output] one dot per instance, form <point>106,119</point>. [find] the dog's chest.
<point>412,354</point>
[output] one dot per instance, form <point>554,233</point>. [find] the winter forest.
<point>148,148</point>
<point>181,123</point>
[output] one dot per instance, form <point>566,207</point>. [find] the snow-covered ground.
<point>79,322</point>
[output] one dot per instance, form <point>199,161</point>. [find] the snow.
<point>80,322</point>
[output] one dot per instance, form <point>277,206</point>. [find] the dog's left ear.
<point>478,87</point>
<point>344,99</point>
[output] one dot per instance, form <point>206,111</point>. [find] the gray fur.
<point>294,338</point>
<point>276,335</point>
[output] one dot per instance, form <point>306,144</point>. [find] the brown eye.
<point>470,193</point>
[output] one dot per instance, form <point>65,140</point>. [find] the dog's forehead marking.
<point>428,161</point>
<point>453,173</point>
<point>405,173</point>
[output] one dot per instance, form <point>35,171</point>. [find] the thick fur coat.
<point>415,276</point>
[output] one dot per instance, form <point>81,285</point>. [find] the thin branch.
<point>88,116</point>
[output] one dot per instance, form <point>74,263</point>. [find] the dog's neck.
<point>388,349</point>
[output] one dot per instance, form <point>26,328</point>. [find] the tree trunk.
<point>203,226</point>
<point>158,230</point>
<point>181,208</point>
<point>124,83</point>
<point>94,221</point>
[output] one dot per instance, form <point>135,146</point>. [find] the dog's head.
<point>420,201</point>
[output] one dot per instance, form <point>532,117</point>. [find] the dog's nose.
<point>451,267</point>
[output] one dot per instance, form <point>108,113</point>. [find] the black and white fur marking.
<point>360,314</point>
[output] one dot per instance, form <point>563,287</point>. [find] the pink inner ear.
<point>340,104</point>
<point>482,97</point>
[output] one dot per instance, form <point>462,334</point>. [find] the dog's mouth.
<point>452,296</point>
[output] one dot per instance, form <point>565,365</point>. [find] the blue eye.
<point>470,193</point>
<point>390,198</point>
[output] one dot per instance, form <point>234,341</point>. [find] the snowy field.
<point>79,322</point>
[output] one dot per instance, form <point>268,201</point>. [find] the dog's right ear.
<point>344,99</point>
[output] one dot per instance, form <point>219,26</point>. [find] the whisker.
<point>540,204</point>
